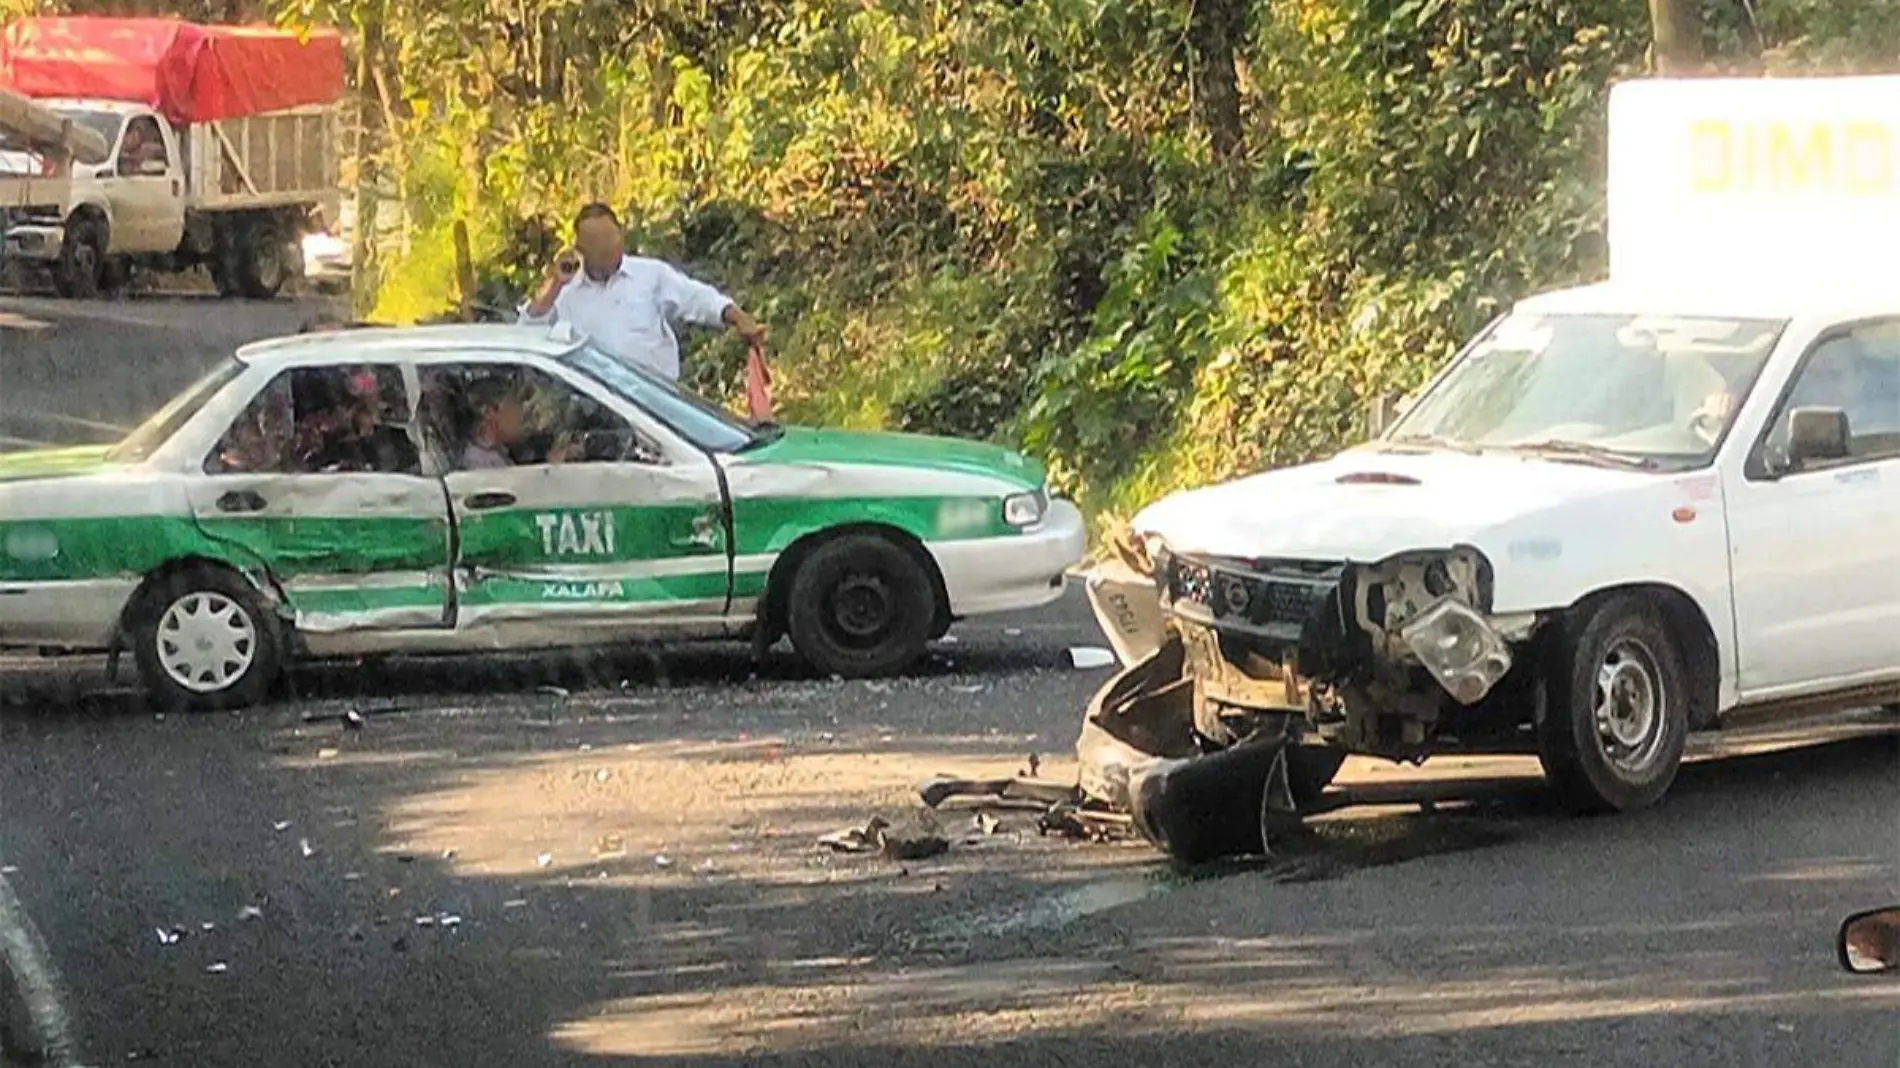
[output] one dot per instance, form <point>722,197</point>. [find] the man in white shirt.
<point>628,305</point>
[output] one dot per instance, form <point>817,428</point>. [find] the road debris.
<point>353,720</point>
<point>250,912</point>
<point>217,968</point>
<point>304,847</point>
<point>1090,657</point>
<point>515,903</point>
<point>328,754</point>
<point>986,824</point>
<point>662,861</point>
<point>168,938</point>
<point>449,920</point>
<point>553,691</point>
<point>543,860</point>
<point>608,846</point>
<point>280,826</point>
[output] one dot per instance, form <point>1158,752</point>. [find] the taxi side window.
<point>1857,371</point>
<point>507,415</point>
<point>323,420</point>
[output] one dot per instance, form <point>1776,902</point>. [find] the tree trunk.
<point>369,139</point>
<point>1215,29</point>
<point>1677,27</point>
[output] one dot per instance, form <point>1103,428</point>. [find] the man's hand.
<point>560,273</point>
<point>747,327</point>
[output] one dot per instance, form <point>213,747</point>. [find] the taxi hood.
<point>53,463</point>
<point>801,445</point>
<point>1366,505</point>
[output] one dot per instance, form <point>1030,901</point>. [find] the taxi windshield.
<point>697,420</point>
<point>1630,390</point>
<point>165,422</point>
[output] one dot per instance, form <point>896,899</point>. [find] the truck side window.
<point>1857,371</point>
<point>143,141</point>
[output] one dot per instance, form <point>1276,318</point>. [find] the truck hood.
<point>950,455</point>
<point>54,463</point>
<point>1365,505</point>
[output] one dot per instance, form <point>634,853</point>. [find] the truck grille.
<point>1273,599</point>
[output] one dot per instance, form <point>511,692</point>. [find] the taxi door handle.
<point>241,501</point>
<point>480,501</point>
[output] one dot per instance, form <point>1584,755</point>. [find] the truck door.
<point>147,191</point>
<point>1815,550</point>
<point>570,517</point>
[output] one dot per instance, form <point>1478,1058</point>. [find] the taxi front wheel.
<point>861,606</point>
<point>203,638</point>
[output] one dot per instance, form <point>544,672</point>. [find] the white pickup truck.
<point>1625,512</point>
<point>235,196</point>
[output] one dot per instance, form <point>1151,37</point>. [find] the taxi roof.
<point>411,342</point>
<point>1773,298</point>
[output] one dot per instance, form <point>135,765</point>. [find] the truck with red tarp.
<point>222,149</point>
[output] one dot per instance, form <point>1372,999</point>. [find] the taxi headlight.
<point>1024,509</point>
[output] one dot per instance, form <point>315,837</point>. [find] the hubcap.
<point>1629,707</point>
<point>206,642</point>
<point>861,609</point>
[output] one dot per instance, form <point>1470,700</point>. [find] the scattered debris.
<point>973,687</point>
<point>303,846</point>
<point>9,870</point>
<point>1013,632</point>
<point>543,860</point>
<point>353,720</point>
<point>1024,791</point>
<point>217,968</point>
<point>280,826</point>
<point>207,926</point>
<point>948,639</point>
<point>609,845</point>
<point>168,938</point>
<point>986,824</point>
<point>425,921</point>
<point>662,861</point>
<point>1090,657</point>
<point>328,754</point>
<point>449,920</point>
<point>603,775</point>
<point>515,903</point>
<point>250,912</point>
<point>878,687</point>
<point>352,876</point>
<point>553,691</point>
<point>854,839</point>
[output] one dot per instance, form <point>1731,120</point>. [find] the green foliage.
<point>1005,218</point>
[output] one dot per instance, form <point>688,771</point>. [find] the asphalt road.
<point>610,860</point>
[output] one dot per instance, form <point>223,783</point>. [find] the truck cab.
<point>131,205</point>
<point>1623,513</point>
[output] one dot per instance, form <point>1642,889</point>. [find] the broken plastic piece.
<point>303,846</point>
<point>250,912</point>
<point>168,938</point>
<point>217,968</point>
<point>353,720</point>
<point>1090,657</point>
<point>543,860</point>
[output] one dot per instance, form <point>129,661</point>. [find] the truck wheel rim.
<point>270,262</point>
<point>1629,704</point>
<point>206,642</point>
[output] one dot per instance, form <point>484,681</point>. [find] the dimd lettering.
<point>1792,157</point>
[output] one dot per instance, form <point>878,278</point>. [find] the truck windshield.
<point>1648,391</point>
<point>165,422</point>
<point>698,421</point>
<point>107,123</point>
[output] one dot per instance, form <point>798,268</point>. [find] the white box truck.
<point>221,150</point>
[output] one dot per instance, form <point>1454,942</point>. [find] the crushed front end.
<point>1286,666</point>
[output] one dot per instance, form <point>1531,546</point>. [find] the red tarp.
<point>186,72</point>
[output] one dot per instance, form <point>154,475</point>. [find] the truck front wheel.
<point>82,260</point>
<point>1615,717</point>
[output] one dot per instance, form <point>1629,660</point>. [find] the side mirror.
<point>1870,941</point>
<point>154,168</point>
<point>1816,435</point>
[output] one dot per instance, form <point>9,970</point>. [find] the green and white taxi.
<point>226,536</point>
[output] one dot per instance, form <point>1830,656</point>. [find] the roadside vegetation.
<point>1156,242</point>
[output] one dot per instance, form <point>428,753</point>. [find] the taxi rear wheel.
<point>204,639</point>
<point>860,606</point>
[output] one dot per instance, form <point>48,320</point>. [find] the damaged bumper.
<point>1374,658</point>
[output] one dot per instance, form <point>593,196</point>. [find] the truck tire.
<point>1615,718</point>
<point>263,261</point>
<point>82,259</point>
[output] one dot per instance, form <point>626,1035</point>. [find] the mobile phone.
<point>567,264</point>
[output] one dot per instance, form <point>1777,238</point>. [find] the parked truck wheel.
<point>1616,715</point>
<point>263,263</point>
<point>80,271</point>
